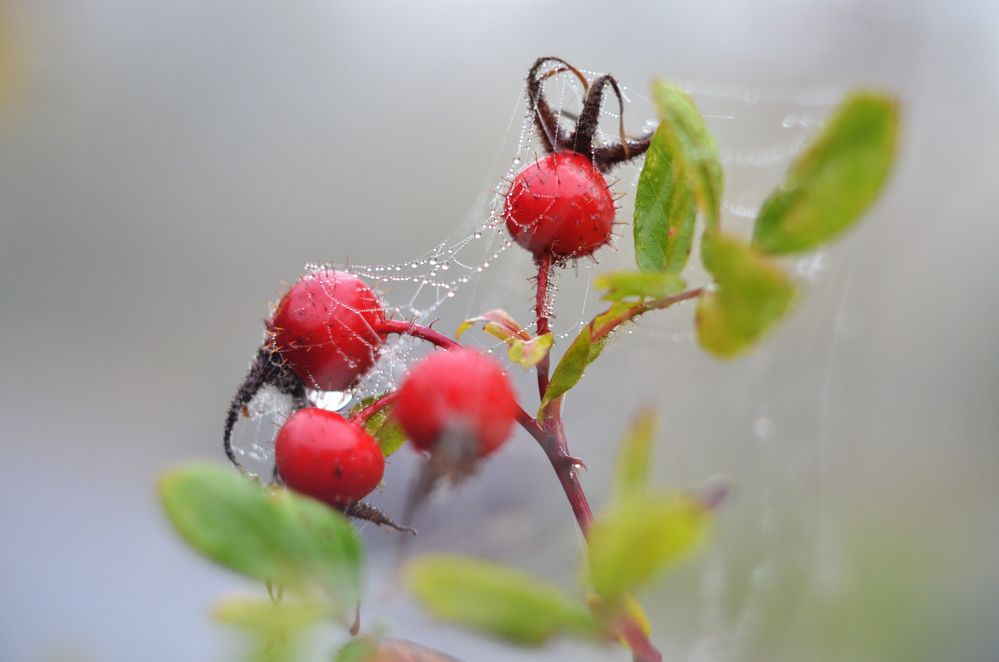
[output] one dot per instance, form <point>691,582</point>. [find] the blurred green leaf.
<point>276,630</point>
<point>268,535</point>
<point>499,601</point>
<point>681,174</point>
<point>618,285</point>
<point>362,649</point>
<point>262,617</point>
<point>751,295</point>
<point>582,352</point>
<point>639,538</point>
<point>389,434</point>
<point>631,476</point>
<point>834,180</point>
<point>370,649</point>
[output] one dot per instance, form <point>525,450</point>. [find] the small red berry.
<point>560,206</point>
<point>323,455</point>
<point>326,327</point>
<point>458,392</point>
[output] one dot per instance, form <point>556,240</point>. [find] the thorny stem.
<point>550,434</point>
<point>541,304</point>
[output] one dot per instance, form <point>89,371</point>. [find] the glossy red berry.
<point>321,454</point>
<point>326,327</point>
<point>560,206</point>
<point>458,394</point>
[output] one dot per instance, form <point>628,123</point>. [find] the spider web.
<point>758,132</point>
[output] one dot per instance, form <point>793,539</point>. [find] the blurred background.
<point>165,167</point>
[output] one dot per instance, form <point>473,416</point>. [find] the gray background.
<point>166,166</point>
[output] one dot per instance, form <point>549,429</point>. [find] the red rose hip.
<point>457,394</point>
<point>323,455</point>
<point>560,206</point>
<point>326,327</point>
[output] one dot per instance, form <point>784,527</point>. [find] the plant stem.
<point>541,304</point>
<point>551,435</point>
<point>553,443</point>
<point>417,331</point>
<point>362,416</point>
<point>641,648</point>
<point>641,309</point>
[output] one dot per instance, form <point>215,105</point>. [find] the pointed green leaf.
<point>620,285</point>
<point>751,295</point>
<point>496,600</point>
<point>633,459</point>
<point>638,539</point>
<point>582,352</point>
<point>665,208</point>
<point>836,178</point>
<point>382,426</point>
<point>692,139</point>
<point>682,173</point>
<point>268,535</point>
<point>529,353</point>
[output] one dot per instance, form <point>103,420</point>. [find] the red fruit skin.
<point>326,327</point>
<point>321,454</point>
<point>457,389</point>
<point>561,206</point>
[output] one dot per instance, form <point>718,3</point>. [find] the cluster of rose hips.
<point>456,405</point>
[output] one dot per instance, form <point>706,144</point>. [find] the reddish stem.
<point>541,303</point>
<point>362,416</point>
<point>550,436</point>
<point>642,649</point>
<point>641,309</point>
<point>552,442</point>
<point>417,331</point>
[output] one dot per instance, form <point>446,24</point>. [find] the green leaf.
<point>638,539</point>
<point>751,295</point>
<point>372,649</point>
<point>682,173</point>
<point>620,285</point>
<point>631,476</point>
<point>277,630</point>
<point>389,434</point>
<point>529,353</point>
<point>524,350</point>
<point>268,619</point>
<point>582,352</point>
<point>499,601</point>
<point>665,208</point>
<point>363,649</point>
<point>268,535</point>
<point>834,180</point>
